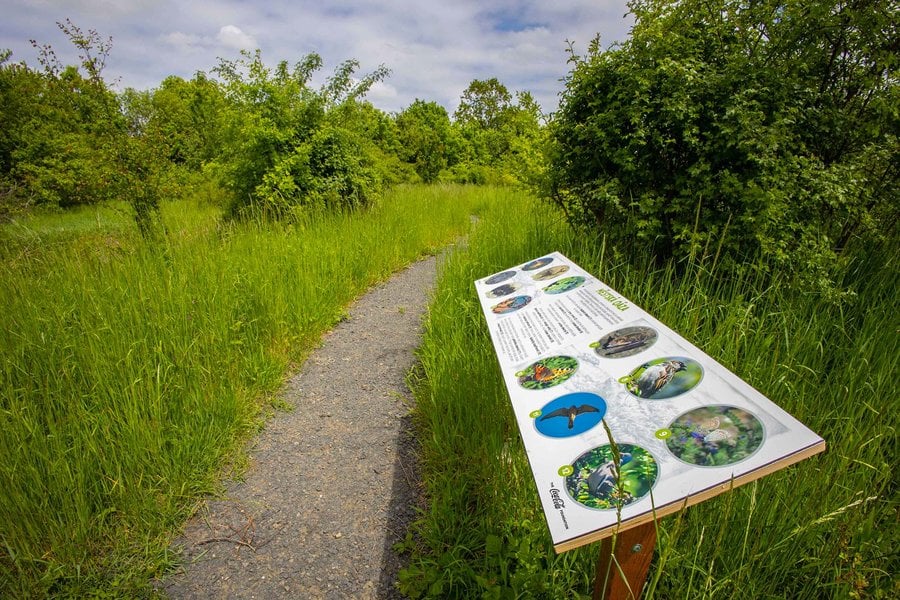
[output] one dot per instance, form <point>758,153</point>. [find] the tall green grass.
<point>131,374</point>
<point>826,527</point>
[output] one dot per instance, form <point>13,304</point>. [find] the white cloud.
<point>433,48</point>
<point>231,36</point>
<point>182,40</point>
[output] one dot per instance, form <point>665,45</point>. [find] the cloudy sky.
<point>434,48</point>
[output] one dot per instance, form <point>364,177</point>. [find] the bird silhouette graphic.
<point>571,412</point>
<point>655,377</point>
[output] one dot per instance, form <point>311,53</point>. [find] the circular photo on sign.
<point>550,273</point>
<point>503,290</point>
<point>712,436</point>
<point>595,482</point>
<point>547,372</point>
<point>663,378</point>
<point>627,341</point>
<point>537,264</point>
<point>569,415</point>
<point>499,277</point>
<point>564,285</point>
<point>511,304</point>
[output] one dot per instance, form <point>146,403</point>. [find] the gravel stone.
<point>331,484</point>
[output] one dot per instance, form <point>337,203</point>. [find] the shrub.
<point>763,129</point>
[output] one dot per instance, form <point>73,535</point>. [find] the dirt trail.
<point>331,486</point>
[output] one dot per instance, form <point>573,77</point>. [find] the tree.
<point>769,128</point>
<point>502,138</point>
<point>188,117</point>
<point>288,144</point>
<point>484,103</point>
<point>427,139</point>
<point>66,139</point>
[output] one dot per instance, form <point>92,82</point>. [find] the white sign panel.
<point>575,353</point>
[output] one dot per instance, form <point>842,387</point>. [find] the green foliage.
<point>66,141</point>
<point>484,104</point>
<point>187,117</point>
<point>825,527</point>
<point>764,129</point>
<point>502,139</point>
<point>130,376</point>
<point>427,140</point>
<point>289,145</point>
<point>326,171</point>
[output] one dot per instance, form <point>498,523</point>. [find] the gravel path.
<point>331,485</point>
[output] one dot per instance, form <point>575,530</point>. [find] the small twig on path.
<point>226,539</point>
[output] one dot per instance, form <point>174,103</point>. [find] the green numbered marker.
<point>535,414</point>
<point>566,470</point>
<point>663,434</point>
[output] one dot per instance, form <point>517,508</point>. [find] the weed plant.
<point>131,374</point>
<point>826,527</point>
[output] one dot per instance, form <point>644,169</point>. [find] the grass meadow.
<point>132,374</point>
<point>826,527</point>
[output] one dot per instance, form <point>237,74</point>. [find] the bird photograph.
<point>570,413</point>
<point>596,482</point>
<point>564,285</point>
<point>537,264</point>
<point>550,273</point>
<point>625,342</point>
<point>499,277</point>
<point>663,378</point>
<point>503,290</point>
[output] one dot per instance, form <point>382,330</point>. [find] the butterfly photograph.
<point>547,372</point>
<point>712,436</point>
<point>510,305</point>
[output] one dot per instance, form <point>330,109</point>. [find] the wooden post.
<point>634,552</point>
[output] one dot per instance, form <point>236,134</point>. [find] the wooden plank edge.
<point>702,495</point>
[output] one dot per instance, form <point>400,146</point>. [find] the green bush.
<point>765,129</point>
<point>327,171</point>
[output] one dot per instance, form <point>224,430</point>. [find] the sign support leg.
<point>633,553</point>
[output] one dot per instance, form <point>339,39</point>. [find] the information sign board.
<point>575,353</point>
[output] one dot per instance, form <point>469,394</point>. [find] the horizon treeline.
<point>264,134</point>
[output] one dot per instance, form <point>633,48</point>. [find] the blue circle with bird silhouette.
<point>597,482</point>
<point>663,378</point>
<point>571,414</point>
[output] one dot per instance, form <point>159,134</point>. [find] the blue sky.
<point>434,49</point>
